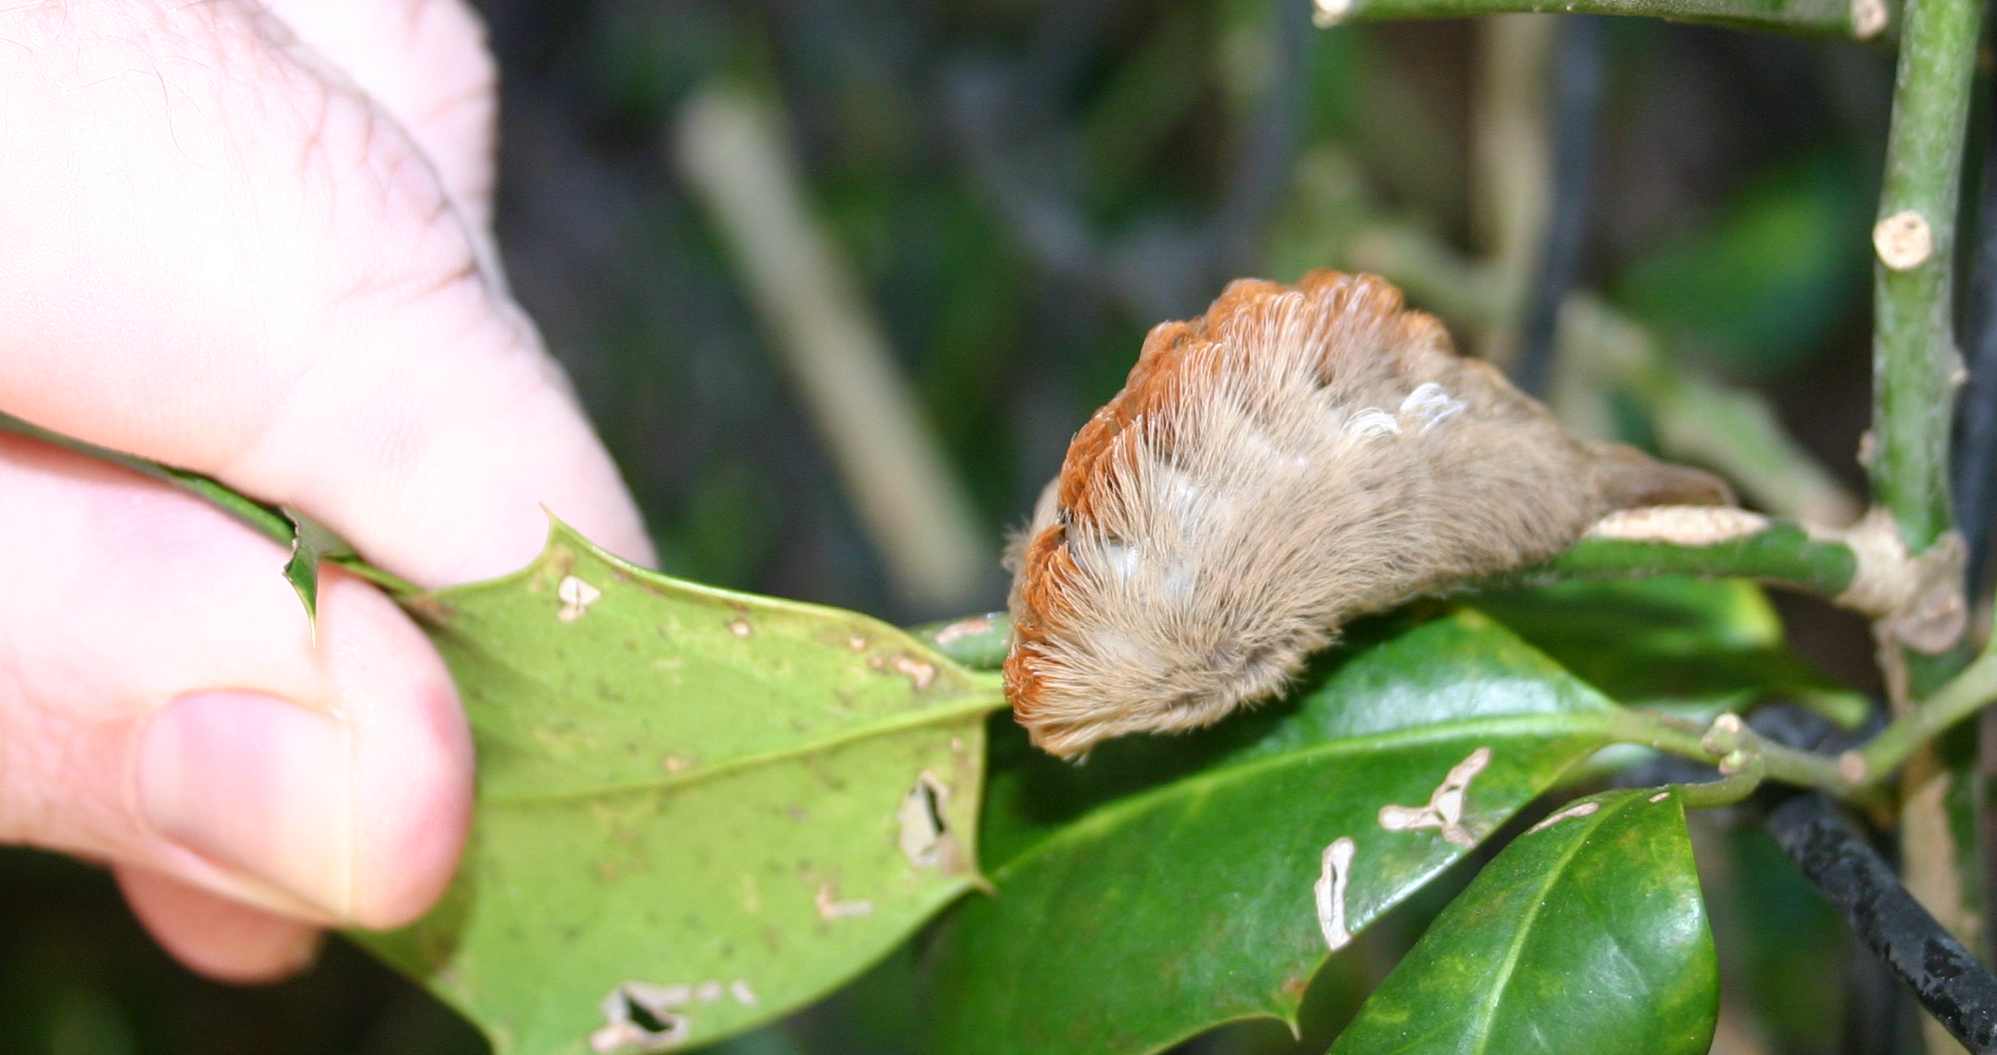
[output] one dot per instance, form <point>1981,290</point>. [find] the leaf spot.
<point>639,1018</point>
<point>740,627</point>
<point>708,992</point>
<point>1579,809</point>
<point>674,763</point>
<point>857,643</point>
<point>576,597</point>
<point>1660,796</point>
<point>1445,804</point>
<point>831,908</point>
<point>739,989</point>
<point>1330,891</point>
<point>925,836</point>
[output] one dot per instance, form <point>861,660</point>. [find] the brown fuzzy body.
<point>1294,458</point>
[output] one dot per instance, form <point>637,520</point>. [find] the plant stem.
<point>1859,21</point>
<point>1858,775</point>
<point>1915,371</point>
<point>1729,789</point>
<point>1782,553</point>
<point>1915,363</point>
<point>1968,693</point>
<point>1729,736</point>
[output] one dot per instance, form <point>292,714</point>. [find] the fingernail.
<point>255,784</point>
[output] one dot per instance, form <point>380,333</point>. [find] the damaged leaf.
<point>1206,878</point>
<point>1587,933</point>
<point>697,810</point>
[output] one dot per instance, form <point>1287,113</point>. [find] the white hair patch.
<point>1431,404</point>
<point>1372,422</point>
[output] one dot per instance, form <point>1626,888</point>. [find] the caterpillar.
<point>1295,457</point>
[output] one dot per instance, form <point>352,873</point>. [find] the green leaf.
<point>1696,647</point>
<point>1587,934</point>
<point>311,543</point>
<point>1170,884</point>
<point>696,809</point>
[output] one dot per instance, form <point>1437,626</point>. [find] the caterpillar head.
<point>1292,458</point>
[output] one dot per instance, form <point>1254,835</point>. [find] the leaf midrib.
<point>974,704</point>
<point>1489,1012</point>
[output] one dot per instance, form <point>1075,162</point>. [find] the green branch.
<point>1914,368</point>
<point>1968,693</point>
<point>1915,362</point>
<point>1781,553</point>
<point>1854,19</point>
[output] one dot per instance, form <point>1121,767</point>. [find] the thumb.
<point>165,705</point>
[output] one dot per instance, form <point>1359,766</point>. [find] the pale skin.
<point>254,241</point>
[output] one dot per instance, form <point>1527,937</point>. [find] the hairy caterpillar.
<point>1293,458</point>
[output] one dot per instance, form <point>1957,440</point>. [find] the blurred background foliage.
<point>1015,191</point>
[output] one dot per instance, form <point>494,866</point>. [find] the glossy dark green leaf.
<point>1587,934</point>
<point>1694,646</point>
<point>697,810</point>
<point>1171,884</point>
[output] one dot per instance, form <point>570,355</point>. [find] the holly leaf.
<point>1693,646</point>
<point>697,810</point>
<point>1588,933</point>
<point>1173,884</point>
<point>312,543</point>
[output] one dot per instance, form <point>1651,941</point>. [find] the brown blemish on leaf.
<point>1445,804</point>
<point>857,643</point>
<point>675,763</point>
<point>1335,874</point>
<point>739,626</point>
<point>739,989</point>
<point>576,597</point>
<point>623,1033</point>
<point>829,907</point>
<point>708,992</point>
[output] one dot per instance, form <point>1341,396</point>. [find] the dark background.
<point>1018,190</point>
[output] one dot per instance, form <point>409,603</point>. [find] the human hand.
<point>253,241</point>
